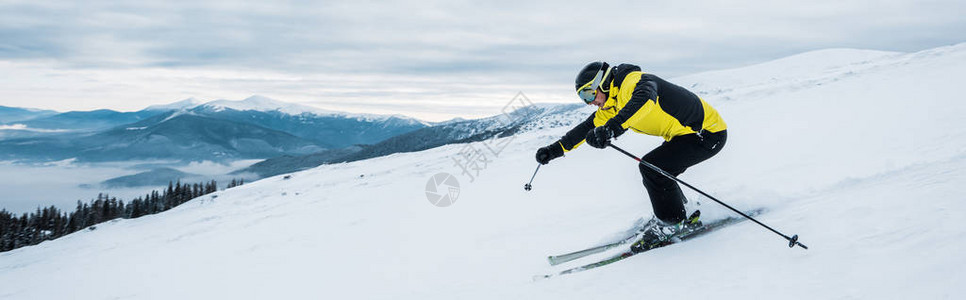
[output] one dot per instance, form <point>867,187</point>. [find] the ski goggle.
<point>588,92</point>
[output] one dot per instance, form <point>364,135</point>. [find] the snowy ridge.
<point>530,118</point>
<point>180,105</point>
<point>265,104</point>
<point>796,72</point>
<point>176,114</point>
<point>856,166</point>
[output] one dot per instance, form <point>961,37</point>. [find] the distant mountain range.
<point>290,137</point>
<point>257,127</point>
<point>86,121</point>
<point>15,114</point>
<point>156,177</point>
<point>457,131</point>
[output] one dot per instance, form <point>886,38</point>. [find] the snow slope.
<point>862,156</point>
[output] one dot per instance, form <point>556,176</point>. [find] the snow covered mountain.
<point>188,130</point>
<point>265,104</point>
<point>534,117</point>
<point>332,131</point>
<point>867,167</point>
<point>179,105</point>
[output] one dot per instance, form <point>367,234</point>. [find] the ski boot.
<point>656,233</point>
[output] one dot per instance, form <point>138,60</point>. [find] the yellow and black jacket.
<point>647,104</point>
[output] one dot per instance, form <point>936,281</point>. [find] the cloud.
<point>119,54</point>
<point>25,128</point>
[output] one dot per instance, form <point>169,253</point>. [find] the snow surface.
<point>864,157</point>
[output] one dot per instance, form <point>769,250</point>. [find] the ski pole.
<point>528,186</point>
<point>792,241</point>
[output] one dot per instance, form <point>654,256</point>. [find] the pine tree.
<point>50,223</point>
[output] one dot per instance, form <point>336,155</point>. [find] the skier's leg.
<point>675,157</point>
<point>665,194</point>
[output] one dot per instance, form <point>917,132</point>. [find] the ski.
<point>559,259</point>
<point>708,227</point>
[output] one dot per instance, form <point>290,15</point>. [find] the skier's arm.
<point>568,142</point>
<point>575,136</point>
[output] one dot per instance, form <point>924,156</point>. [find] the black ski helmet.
<point>591,77</point>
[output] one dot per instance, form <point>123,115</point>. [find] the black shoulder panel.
<point>678,102</point>
<point>621,71</point>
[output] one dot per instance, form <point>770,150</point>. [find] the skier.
<point>627,98</point>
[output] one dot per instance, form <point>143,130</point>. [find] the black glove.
<point>545,154</point>
<point>599,137</point>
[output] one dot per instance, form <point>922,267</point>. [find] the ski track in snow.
<point>867,168</point>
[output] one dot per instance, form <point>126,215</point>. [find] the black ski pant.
<point>675,157</point>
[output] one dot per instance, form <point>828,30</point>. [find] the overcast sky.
<point>431,60</point>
